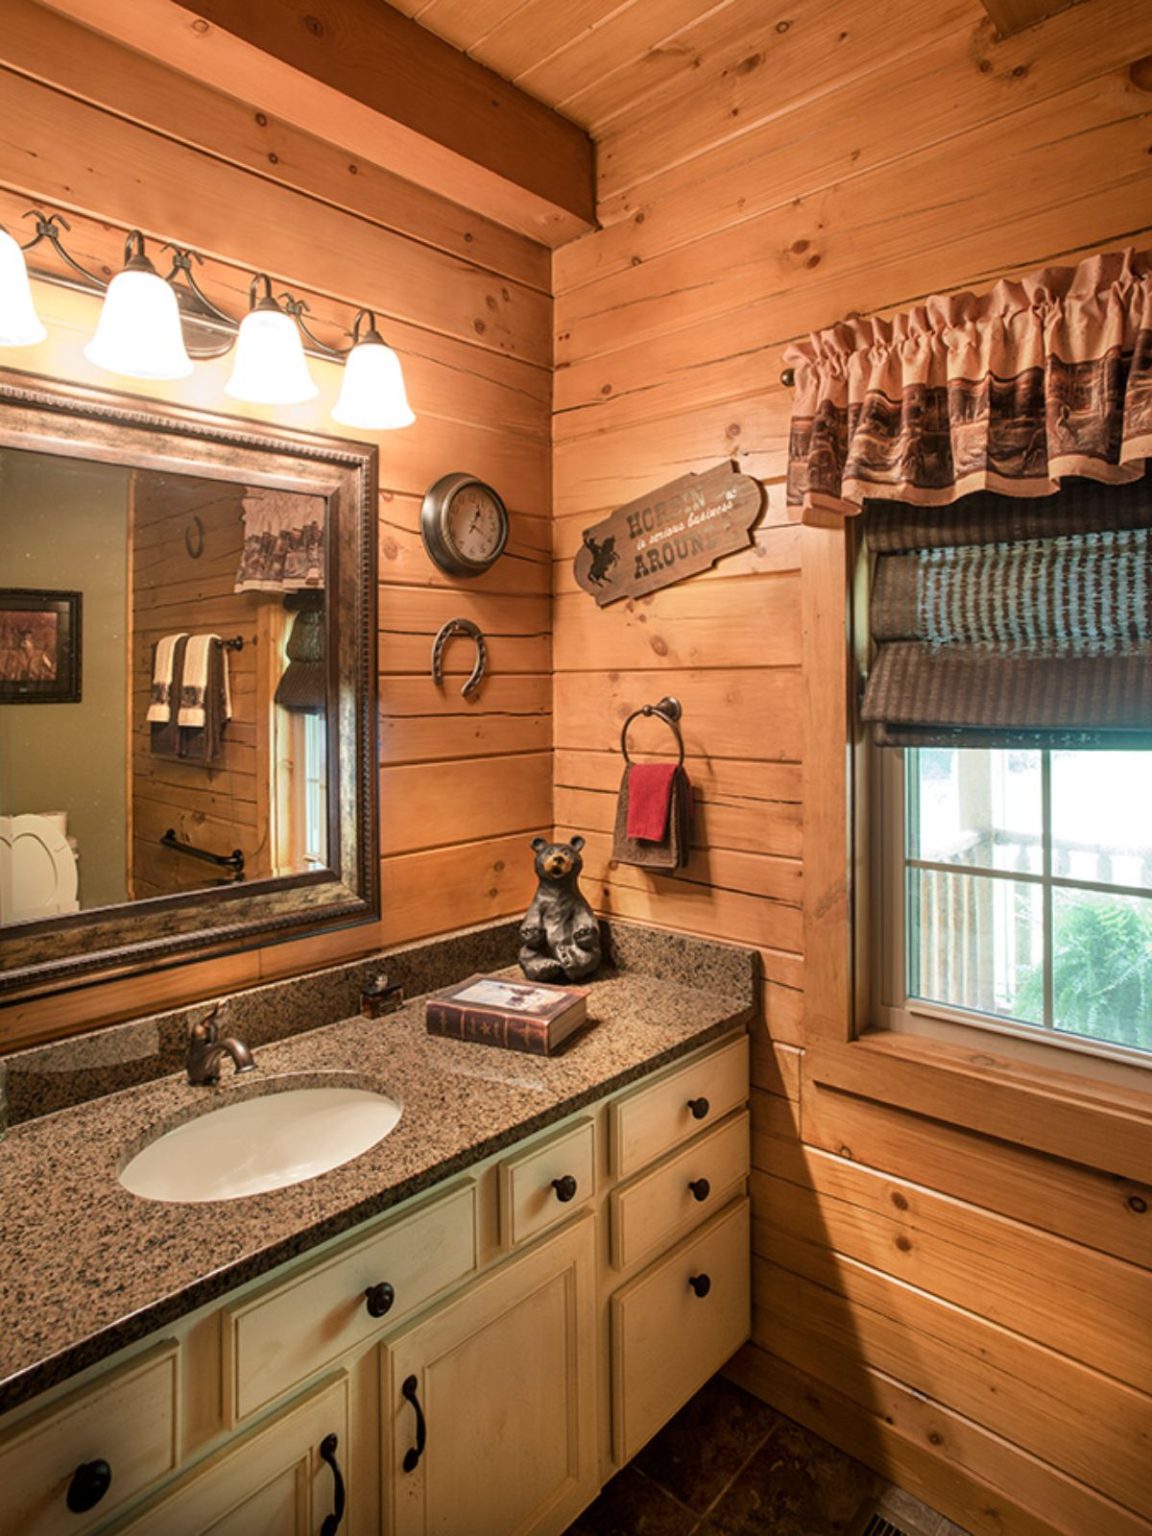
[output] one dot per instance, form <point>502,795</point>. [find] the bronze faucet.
<point>205,1050</point>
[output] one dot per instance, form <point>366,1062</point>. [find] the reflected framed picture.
<point>39,647</point>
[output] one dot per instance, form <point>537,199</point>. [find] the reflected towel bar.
<point>233,861</point>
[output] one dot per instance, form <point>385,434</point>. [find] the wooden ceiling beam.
<point>359,74</point>
<point>1015,15</point>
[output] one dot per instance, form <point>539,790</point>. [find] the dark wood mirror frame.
<point>46,955</point>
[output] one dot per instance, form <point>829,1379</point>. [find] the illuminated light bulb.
<point>372,395</point>
<point>138,333</point>
<point>270,368</point>
<point>19,323</point>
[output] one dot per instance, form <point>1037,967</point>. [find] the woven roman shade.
<point>1009,623</point>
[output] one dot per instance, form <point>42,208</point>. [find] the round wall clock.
<point>464,524</point>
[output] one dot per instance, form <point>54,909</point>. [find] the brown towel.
<point>205,699</point>
<point>165,731</point>
<point>673,850</point>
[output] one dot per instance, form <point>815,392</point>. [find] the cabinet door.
<point>497,1392</point>
<point>272,1482</point>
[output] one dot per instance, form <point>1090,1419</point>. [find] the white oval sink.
<point>260,1144</point>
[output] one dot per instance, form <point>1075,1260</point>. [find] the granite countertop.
<point>86,1267</point>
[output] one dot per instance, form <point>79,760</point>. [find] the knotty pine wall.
<point>463,787</point>
<point>968,1315</point>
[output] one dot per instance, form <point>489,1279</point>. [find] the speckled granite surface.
<point>86,1268</point>
<point>45,1078</point>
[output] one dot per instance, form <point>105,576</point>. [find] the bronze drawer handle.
<point>701,1284</point>
<point>379,1298</point>
<point>700,1188</point>
<point>699,1107</point>
<point>565,1188</point>
<point>90,1482</point>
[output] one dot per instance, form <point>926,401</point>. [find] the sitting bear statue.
<point>560,934</point>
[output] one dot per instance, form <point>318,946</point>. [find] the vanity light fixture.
<point>19,323</point>
<point>154,326</point>
<point>138,333</point>
<point>270,368</point>
<point>372,395</point>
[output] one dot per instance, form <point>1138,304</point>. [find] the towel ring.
<point>460,627</point>
<point>669,711</point>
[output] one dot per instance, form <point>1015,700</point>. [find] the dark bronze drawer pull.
<point>699,1107</point>
<point>90,1482</point>
<point>328,1453</point>
<point>414,1452</point>
<point>701,1284</point>
<point>565,1188</point>
<point>379,1299</point>
<point>700,1188</point>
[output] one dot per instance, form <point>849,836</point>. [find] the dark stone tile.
<point>796,1485</point>
<point>632,1505</point>
<point>698,1453</point>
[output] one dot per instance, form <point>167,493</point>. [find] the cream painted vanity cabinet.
<point>476,1362</point>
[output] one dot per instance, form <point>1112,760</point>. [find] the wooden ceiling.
<point>595,60</point>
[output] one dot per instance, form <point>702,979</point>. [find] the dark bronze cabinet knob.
<point>379,1299</point>
<point>699,1108</point>
<point>701,1284</point>
<point>565,1188</point>
<point>90,1482</point>
<point>700,1188</point>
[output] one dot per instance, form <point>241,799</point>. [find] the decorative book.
<point>517,1015</point>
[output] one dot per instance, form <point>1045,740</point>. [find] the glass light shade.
<point>270,368</point>
<point>139,333</point>
<point>19,323</point>
<point>372,395</point>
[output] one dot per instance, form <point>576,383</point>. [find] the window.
<point>1010,698</point>
<point>1017,892</point>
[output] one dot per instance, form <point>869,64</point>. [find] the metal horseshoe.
<point>460,627</point>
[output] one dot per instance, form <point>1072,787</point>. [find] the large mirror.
<point>187,624</point>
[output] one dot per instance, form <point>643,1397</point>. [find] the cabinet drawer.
<point>646,1124</point>
<point>535,1192</point>
<point>272,1480</point>
<point>666,1339</point>
<point>127,1419</point>
<point>288,1330</point>
<point>679,1193</point>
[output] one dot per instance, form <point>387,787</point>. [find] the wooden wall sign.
<point>673,532</point>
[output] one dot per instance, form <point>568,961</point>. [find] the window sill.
<point>1097,1124</point>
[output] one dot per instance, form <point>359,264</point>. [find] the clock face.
<point>464,525</point>
<point>474,524</point>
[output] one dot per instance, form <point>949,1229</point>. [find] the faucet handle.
<point>205,1029</point>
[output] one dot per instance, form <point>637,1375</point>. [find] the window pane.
<point>1102,817</point>
<point>976,943</point>
<point>976,808</point>
<point>1102,966</point>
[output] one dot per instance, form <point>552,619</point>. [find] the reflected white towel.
<point>160,707</point>
<point>194,690</point>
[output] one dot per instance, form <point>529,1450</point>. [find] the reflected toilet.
<point>38,871</point>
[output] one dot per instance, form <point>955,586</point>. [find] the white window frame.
<point>892,1009</point>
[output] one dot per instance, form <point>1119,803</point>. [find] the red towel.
<point>649,800</point>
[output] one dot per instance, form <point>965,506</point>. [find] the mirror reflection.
<point>163,684</point>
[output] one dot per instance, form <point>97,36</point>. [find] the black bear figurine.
<point>561,937</point>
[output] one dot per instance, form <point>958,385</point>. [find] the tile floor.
<point>728,1465</point>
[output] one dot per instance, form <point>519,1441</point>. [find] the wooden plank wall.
<point>970,1317</point>
<point>214,806</point>
<point>464,786</point>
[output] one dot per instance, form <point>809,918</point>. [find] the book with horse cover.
<point>516,1015</point>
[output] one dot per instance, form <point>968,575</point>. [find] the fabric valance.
<point>1014,624</point>
<point>283,541</point>
<point>1044,377</point>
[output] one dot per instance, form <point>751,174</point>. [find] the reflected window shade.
<point>283,541</point>
<point>303,685</point>
<point>1014,627</point>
